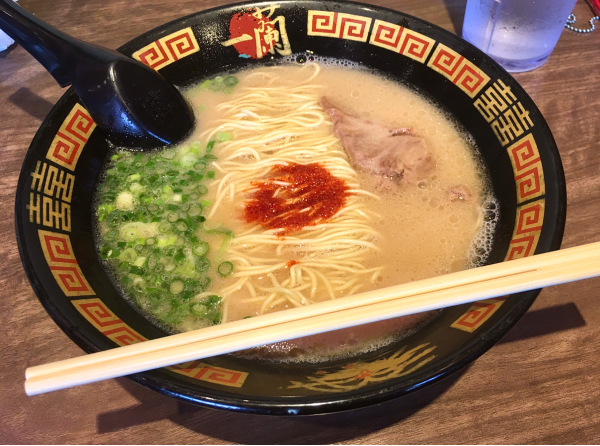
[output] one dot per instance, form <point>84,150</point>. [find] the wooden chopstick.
<point>439,292</point>
<point>433,284</point>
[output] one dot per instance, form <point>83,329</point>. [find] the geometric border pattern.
<point>527,166</point>
<point>106,322</point>
<point>168,49</point>
<point>459,70</point>
<point>528,227</point>
<point>477,314</point>
<point>208,373</point>
<point>63,264</point>
<point>463,73</point>
<point>71,138</point>
<point>338,25</point>
<point>401,40</point>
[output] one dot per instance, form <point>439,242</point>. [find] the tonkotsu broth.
<point>422,234</point>
<point>417,230</point>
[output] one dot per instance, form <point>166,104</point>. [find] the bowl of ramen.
<point>339,148</point>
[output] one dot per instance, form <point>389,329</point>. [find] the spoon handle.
<point>48,45</point>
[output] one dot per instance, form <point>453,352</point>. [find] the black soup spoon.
<point>130,101</point>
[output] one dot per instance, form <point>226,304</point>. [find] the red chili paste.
<point>295,196</point>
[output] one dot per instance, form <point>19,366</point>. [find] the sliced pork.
<point>395,153</point>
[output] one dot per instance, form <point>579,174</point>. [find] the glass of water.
<point>518,34</point>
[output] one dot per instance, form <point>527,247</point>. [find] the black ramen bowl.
<point>54,217</point>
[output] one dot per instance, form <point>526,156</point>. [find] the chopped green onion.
<point>195,210</point>
<point>202,264</point>
<point>168,154</point>
<point>215,86</point>
<point>213,299</point>
<point>223,136</point>
<point>136,188</point>
<point>219,230</point>
<point>179,257</point>
<point>201,249</point>
<point>225,269</point>
<point>176,287</point>
<point>105,252</point>
<point>128,255</point>
<point>231,81</point>
<point>205,283</point>
<point>136,270</point>
<point>151,239</point>
<point>199,310</point>
<point>152,262</point>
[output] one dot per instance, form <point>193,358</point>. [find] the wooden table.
<point>541,384</point>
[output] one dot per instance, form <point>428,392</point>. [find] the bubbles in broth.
<point>174,226</point>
